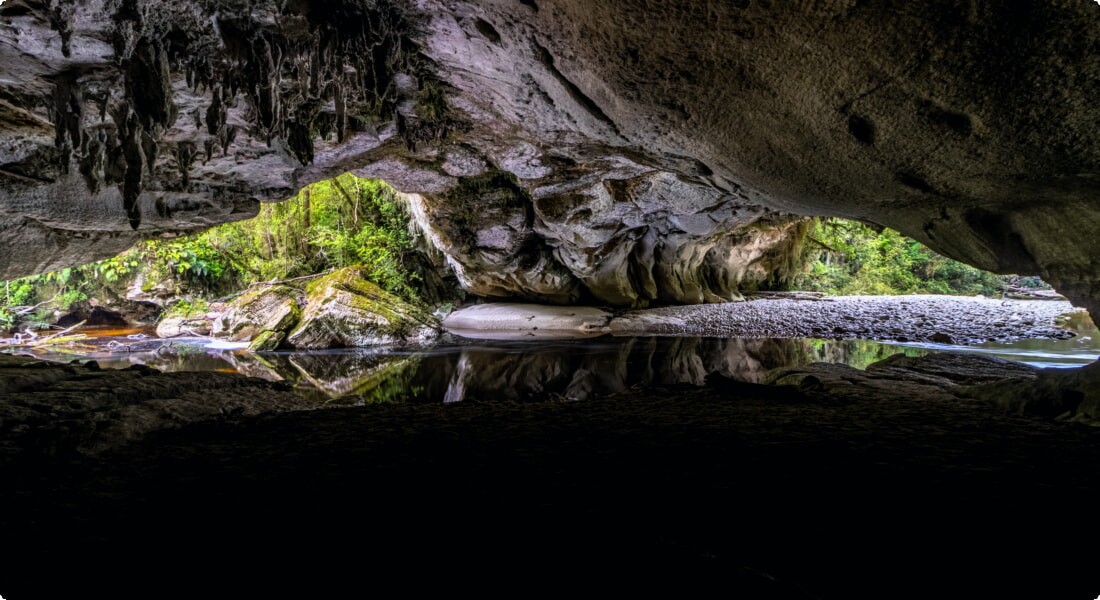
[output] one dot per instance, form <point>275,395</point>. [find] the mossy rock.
<point>271,309</point>
<point>189,317</point>
<point>179,326</point>
<point>188,308</point>
<point>344,310</point>
<point>267,341</point>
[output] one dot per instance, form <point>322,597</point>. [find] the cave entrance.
<point>862,295</point>
<point>847,258</point>
<point>843,257</point>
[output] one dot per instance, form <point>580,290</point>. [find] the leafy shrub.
<point>848,257</point>
<point>332,224</point>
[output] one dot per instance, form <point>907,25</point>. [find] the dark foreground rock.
<point>814,491</point>
<point>54,409</point>
<point>943,377</point>
<point>1064,394</point>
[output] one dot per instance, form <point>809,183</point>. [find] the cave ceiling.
<point>626,150</point>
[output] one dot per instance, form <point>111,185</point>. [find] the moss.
<point>188,308</point>
<point>267,341</point>
<point>391,382</point>
<point>290,319</point>
<point>342,307</point>
<point>433,120</point>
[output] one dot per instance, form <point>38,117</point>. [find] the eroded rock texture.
<point>631,151</point>
<point>53,409</point>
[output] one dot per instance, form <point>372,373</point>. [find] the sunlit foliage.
<point>331,224</point>
<point>848,257</point>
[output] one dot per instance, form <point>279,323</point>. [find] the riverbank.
<point>919,318</point>
<point>945,319</point>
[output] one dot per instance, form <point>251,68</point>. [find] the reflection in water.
<point>1046,354</point>
<point>488,370</point>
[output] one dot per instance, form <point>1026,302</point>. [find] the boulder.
<point>502,319</point>
<point>344,310</point>
<point>263,314</point>
<point>267,341</point>
<point>187,318</point>
<point>183,326</point>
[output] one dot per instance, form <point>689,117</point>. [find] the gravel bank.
<point>946,319</point>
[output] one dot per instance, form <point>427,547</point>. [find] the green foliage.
<point>337,223</point>
<point>7,318</point>
<point>194,262</point>
<point>67,298</point>
<point>188,308</point>
<point>116,268</point>
<point>848,257</point>
<point>332,224</point>
<point>20,292</point>
<point>64,288</point>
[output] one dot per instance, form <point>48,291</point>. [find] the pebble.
<point>963,320</point>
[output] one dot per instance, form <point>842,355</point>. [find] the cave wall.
<point>630,151</point>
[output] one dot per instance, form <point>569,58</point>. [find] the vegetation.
<point>349,221</point>
<point>332,224</point>
<point>848,257</point>
<point>337,223</point>
<point>60,289</point>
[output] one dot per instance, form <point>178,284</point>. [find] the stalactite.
<point>61,20</point>
<point>185,157</point>
<point>134,157</point>
<point>150,149</point>
<point>216,113</point>
<point>67,113</point>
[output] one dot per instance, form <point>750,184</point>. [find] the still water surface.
<point>465,369</point>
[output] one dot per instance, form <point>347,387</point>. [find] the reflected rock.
<point>368,377</point>
<point>260,367</point>
<point>575,371</point>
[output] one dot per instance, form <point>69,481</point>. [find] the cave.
<point>570,153</point>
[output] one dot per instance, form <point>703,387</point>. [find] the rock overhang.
<point>645,143</point>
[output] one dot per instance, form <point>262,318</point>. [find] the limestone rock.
<point>189,318</point>
<point>267,341</point>
<point>184,326</point>
<point>343,310</point>
<point>632,151</point>
<point>938,376</point>
<point>630,242</point>
<point>263,314</point>
<point>507,319</point>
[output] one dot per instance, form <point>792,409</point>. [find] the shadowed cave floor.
<point>762,492</point>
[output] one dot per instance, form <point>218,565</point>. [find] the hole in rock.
<point>486,29</point>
